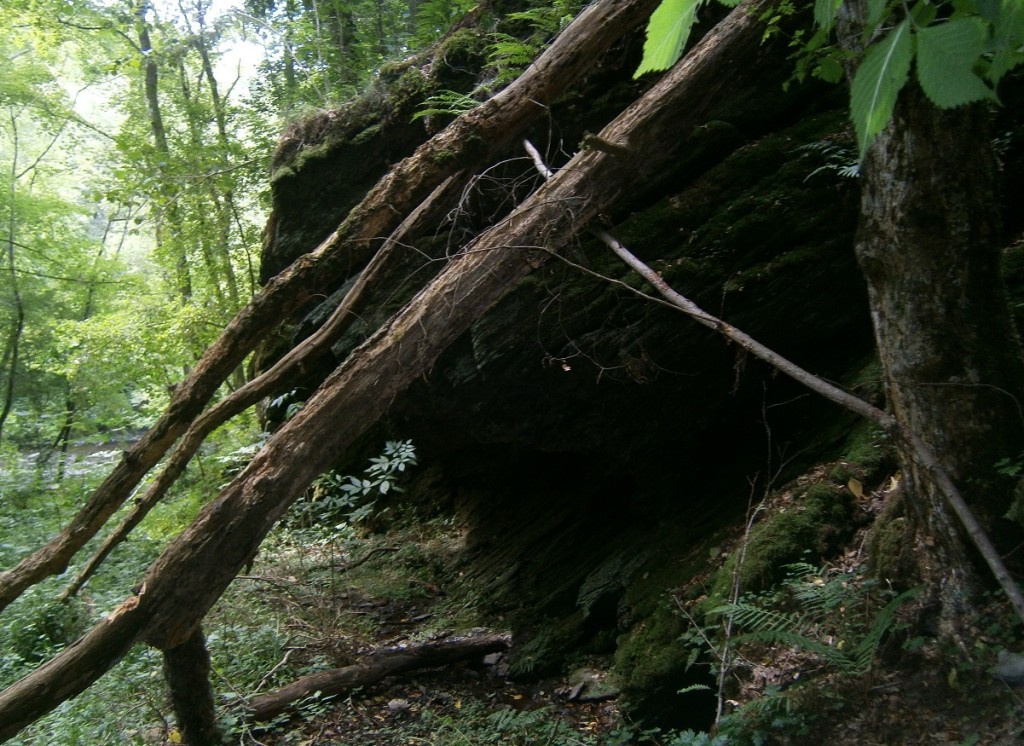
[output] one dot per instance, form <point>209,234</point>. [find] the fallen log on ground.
<point>377,666</point>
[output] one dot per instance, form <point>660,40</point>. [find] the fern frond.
<point>695,688</point>
<point>831,654</point>
<point>759,619</point>
<point>544,20</point>
<point>864,652</point>
<point>446,102</point>
<point>820,599</point>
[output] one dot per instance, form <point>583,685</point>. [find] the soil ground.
<point>344,599</point>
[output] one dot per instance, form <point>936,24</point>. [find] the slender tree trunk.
<point>11,350</point>
<point>951,359</point>
<point>187,670</point>
<point>205,246</point>
<point>63,439</point>
<point>291,86</point>
<point>168,235</point>
<point>224,201</point>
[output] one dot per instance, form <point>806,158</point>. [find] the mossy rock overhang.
<point>577,424</point>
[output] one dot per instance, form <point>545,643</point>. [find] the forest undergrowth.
<point>825,649</point>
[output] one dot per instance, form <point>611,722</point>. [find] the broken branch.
<point>374,668</point>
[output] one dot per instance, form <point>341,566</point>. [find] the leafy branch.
<point>959,51</point>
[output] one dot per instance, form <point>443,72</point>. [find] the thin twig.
<point>365,558</point>
<point>275,669</point>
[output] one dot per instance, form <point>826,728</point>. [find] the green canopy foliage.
<point>958,49</point>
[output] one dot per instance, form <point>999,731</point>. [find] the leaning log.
<point>376,667</point>
<point>194,570</point>
<point>471,140</point>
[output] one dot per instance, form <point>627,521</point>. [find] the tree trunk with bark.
<point>950,356</point>
<point>187,670</point>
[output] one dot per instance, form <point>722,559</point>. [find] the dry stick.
<point>379,268</point>
<point>373,668</point>
<point>472,139</point>
<point>925,456</point>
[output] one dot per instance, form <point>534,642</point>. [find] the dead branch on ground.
<point>375,667</point>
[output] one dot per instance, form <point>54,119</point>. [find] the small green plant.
<point>839,618</point>
<point>335,496</point>
<point>446,103</point>
<point>1011,467</point>
<point>698,738</point>
<point>510,55</point>
<point>840,159</point>
<point>823,614</point>
<point>472,726</point>
<point>435,17</point>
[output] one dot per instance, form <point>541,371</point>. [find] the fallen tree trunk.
<point>194,570</point>
<point>376,667</point>
<point>469,141</point>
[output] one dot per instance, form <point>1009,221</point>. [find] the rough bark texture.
<point>71,673</point>
<point>373,669</point>
<point>950,355</point>
<point>193,572</point>
<point>470,140</point>
<point>187,670</point>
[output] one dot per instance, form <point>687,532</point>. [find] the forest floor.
<point>347,599</point>
<point>389,594</point>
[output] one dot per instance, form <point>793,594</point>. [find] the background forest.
<point>461,450</point>
<point>134,146</point>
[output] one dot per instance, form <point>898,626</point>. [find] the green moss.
<point>814,526</point>
<point>389,72</point>
<point>890,551</point>
<point>456,58</point>
<point>444,156</point>
<point>886,546</point>
<point>307,155</point>
<point>650,656</point>
<point>367,134</point>
<point>411,84</point>
<point>868,448</point>
<point>281,174</point>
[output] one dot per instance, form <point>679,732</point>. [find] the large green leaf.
<point>667,32</point>
<point>946,55</point>
<point>1008,39</point>
<point>875,10</point>
<point>878,81</point>
<point>825,13</point>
